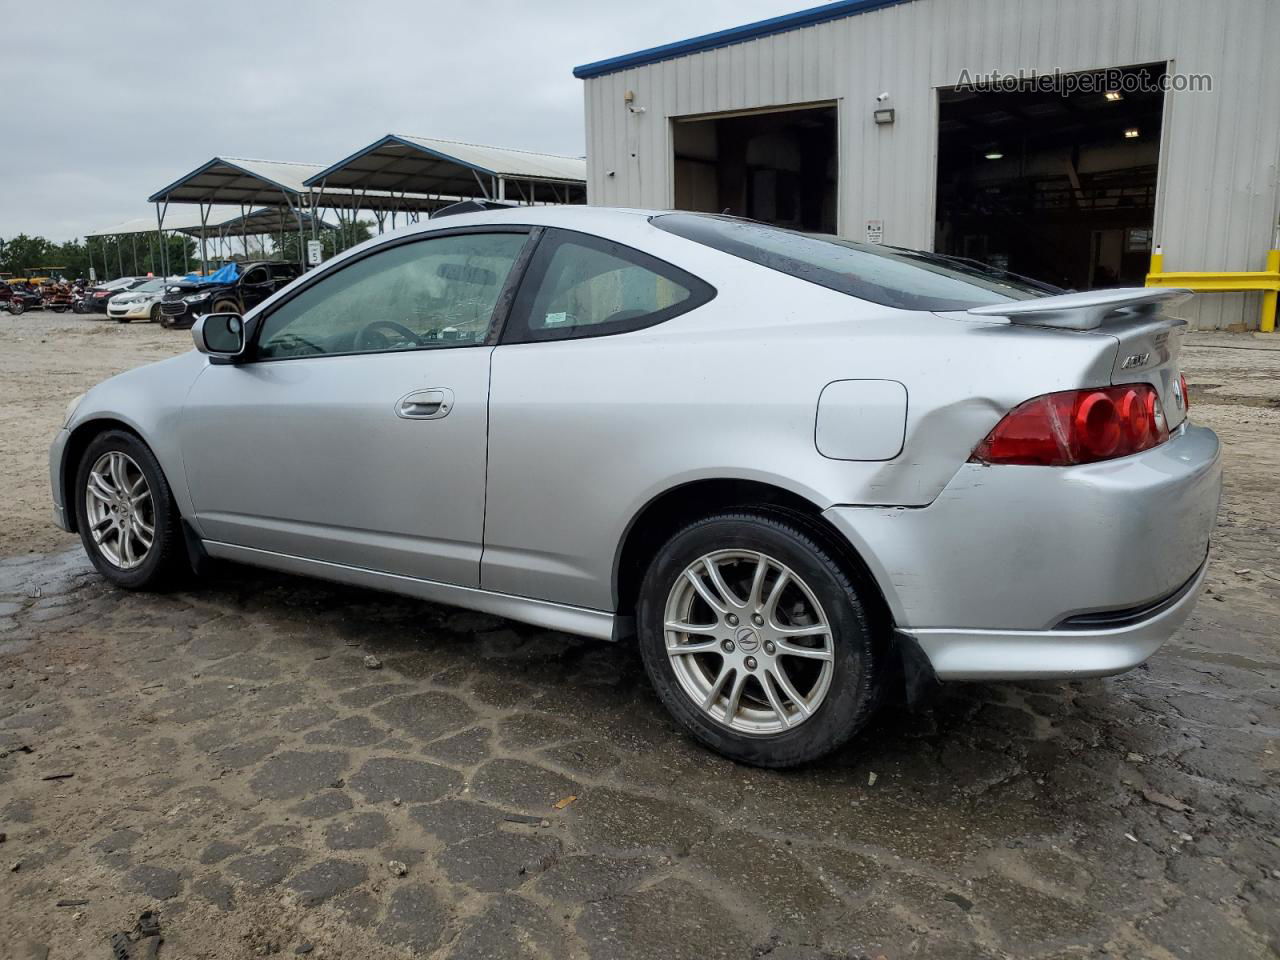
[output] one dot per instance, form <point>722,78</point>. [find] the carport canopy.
<point>449,168</point>
<point>275,183</point>
<point>259,222</point>
<point>179,220</point>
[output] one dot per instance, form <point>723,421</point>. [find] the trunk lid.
<point>1148,340</point>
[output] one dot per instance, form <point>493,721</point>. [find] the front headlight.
<point>71,409</point>
<point>197,297</point>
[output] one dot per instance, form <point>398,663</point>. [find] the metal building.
<point>878,120</point>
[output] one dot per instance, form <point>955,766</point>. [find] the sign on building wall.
<point>875,231</point>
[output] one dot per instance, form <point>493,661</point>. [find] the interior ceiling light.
<point>994,155</point>
<point>1132,133</point>
<point>1113,95</point>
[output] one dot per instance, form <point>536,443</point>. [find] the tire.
<point>165,559</point>
<point>226,306</point>
<point>155,313</point>
<point>17,308</point>
<point>771,728</point>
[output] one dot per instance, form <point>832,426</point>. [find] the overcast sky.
<point>118,100</point>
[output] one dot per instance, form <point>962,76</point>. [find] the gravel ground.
<point>224,756</point>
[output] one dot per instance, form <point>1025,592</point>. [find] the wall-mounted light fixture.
<point>1113,95</point>
<point>883,113</point>
<point>994,155</point>
<point>1132,133</point>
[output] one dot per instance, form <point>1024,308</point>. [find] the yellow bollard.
<point>1267,324</point>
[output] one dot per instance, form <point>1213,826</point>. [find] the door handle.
<point>425,404</point>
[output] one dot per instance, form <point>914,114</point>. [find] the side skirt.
<point>555,616</point>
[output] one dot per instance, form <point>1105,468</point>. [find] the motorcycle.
<point>10,302</point>
<point>80,300</point>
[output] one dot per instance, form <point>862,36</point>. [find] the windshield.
<point>151,286</point>
<point>887,275</point>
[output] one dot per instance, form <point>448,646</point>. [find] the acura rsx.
<point>785,465</point>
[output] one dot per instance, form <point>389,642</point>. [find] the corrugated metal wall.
<point>1217,197</point>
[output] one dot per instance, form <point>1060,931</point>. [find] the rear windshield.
<point>887,275</point>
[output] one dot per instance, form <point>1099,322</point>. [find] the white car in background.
<point>140,303</point>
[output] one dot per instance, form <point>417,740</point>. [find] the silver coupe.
<point>795,470</point>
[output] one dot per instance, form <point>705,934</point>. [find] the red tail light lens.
<point>1077,426</point>
<point>1186,397</point>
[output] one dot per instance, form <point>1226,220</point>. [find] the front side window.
<point>583,286</point>
<point>435,292</point>
<point>885,275</point>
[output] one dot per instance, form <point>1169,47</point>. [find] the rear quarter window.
<point>898,278</point>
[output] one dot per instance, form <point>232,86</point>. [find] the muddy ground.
<point>224,756</point>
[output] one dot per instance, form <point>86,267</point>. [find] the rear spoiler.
<point>1087,310</point>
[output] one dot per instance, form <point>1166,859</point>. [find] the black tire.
<point>155,313</point>
<point>853,692</point>
<point>166,561</point>
<point>17,308</point>
<point>226,306</point>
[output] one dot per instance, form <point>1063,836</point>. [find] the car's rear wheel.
<point>755,639</point>
<point>125,513</point>
<point>226,306</point>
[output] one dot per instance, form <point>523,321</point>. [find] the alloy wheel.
<point>749,642</point>
<point>120,510</point>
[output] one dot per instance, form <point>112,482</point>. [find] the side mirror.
<point>219,335</point>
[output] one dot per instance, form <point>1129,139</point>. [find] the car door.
<point>256,285</point>
<point>580,413</point>
<point>355,431</point>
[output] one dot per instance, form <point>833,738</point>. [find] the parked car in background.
<point>789,467</point>
<point>139,303</point>
<point>99,297</point>
<point>236,288</point>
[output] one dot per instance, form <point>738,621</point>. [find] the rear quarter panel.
<point>584,433</point>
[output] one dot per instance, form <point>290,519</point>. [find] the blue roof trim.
<point>392,138</point>
<point>724,38</point>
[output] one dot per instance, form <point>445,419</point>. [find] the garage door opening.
<point>778,166</point>
<point>1056,187</point>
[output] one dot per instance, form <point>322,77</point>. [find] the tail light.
<point>1186,397</point>
<point>1077,426</point>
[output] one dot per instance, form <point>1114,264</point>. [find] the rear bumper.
<point>1005,573</point>
<point>1046,654</point>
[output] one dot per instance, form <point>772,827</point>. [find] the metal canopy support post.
<point>164,247</point>
<point>204,226</point>
<point>480,183</point>
<point>297,212</point>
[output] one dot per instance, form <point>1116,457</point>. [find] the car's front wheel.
<point>756,640</point>
<point>155,313</point>
<point>125,513</point>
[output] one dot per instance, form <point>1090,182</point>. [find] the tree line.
<point>139,254</point>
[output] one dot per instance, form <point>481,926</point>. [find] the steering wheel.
<point>364,339</point>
